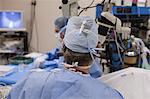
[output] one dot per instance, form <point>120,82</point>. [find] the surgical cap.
<point>81,41</point>
<point>60,22</point>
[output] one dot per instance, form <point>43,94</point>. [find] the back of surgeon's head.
<point>81,35</point>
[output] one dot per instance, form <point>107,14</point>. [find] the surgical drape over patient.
<point>61,84</point>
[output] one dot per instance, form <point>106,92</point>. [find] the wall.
<point>47,12</point>
<point>148,2</point>
<point>1,4</point>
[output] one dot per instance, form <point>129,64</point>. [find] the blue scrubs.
<point>61,84</point>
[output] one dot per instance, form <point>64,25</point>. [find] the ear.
<point>56,30</point>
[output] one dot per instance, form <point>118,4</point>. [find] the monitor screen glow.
<point>11,20</point>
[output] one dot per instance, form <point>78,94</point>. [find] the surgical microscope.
<point>120,43</point>
<point>110,29</point>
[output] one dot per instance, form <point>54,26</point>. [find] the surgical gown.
<point>61,84</point>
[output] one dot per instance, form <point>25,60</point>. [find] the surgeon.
<point>72,81</point>
<point>60,29</point>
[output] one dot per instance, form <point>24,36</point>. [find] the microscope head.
<point>109,21</point>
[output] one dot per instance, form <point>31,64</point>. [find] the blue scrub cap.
<point>81,34</point>
<point>60,22</point>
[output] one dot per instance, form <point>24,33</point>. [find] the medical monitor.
<point>11,21</point>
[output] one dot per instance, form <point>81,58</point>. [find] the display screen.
<point>11,20</point>
<point>124,10</point>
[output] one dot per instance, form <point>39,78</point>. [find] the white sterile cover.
<point>132,83</point>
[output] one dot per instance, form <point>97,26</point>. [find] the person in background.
<point>72,82</point>
<point>60,29</point>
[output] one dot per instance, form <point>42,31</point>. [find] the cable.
<point>33,4</point>
<point>33,22</point>
<point>85,9</point>
<point>89,6</point>
<point>123,46</point>
<point>117,44</point>
<point>119,54</point>
<point>103,2</point>
<point>37,33</point>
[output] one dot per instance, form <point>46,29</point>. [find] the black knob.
<point>79,7</point>
<point>60,7</point>
<point>33,3</point>
<point>64,1</point>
